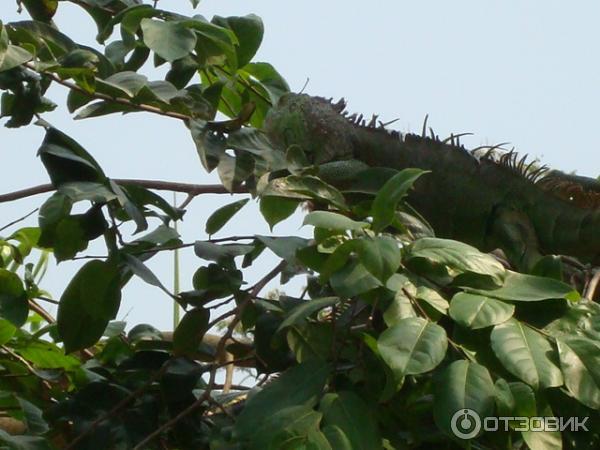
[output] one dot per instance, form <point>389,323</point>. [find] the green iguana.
<point>488,200</point>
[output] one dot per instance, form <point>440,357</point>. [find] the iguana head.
<point>313,123</point>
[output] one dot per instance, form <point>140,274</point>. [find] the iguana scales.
<point>481,197</point>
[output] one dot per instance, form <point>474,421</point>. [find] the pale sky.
<point>524,72</point>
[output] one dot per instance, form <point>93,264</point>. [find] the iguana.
<point>487,199</point>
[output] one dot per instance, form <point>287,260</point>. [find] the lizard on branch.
<point>485,199</point>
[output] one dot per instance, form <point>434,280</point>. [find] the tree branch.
<point>188,188</point>
<point>108,98</point>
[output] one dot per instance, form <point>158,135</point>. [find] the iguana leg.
<point>512,231</point>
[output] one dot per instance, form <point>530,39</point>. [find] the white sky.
<point>524,72</point>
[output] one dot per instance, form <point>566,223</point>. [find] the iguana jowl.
<point>488,201</point>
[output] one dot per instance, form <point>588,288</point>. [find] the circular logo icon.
<point>465,424</point>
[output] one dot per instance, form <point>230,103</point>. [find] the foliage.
<point>396,331</point>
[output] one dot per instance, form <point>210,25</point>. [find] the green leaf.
<point>310,341</point>
<point>14,57</point>
<point>458,258</point>
<point>305,309</point>
<point>45,355</point>
<point>412,346</point>
<point>56,207</point>
<point>393,191</point>
<point>336,438</point>
<point>477,311</point>
<point>13,298</point>
<point>221,216</point>
<point>89,302</point>
<point>526,354</point>
<point>220,252</point>
<point>305,187</point>
<point>7,329</point>
<point>353,417</point>
<point>23,442</point>
<point>122,84</point>
<point>190,331</point>
<point>142,271</point>
<point>294,427</point>
<point>284,246</point>
<point>380,255</point>
<point>33,417</point>
<point>332,221</point>
<point>234,170</point>
<point>353,279</point>
<point>249,31</point>
<point>66,160</point>
<point>581,368</point>
<point>300,385</point>
<point>521,287</point>
<point>169,40</point>
<point>277,209</point>
<point>462,385</point>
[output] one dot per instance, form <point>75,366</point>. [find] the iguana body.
<point>488,201</point>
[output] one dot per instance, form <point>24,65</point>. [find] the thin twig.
<point>27,365</point>
<point>48,300</point>
<point>255,290</point>
<point>590,291</point>
<point>18,220</point>
<point>189,188</point>
<point>35,307</point>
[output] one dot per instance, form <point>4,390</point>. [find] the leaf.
<point>14,57</point>
<point>310,341</point>
<point>306,309</point>
<point>581,369</point>
<point>56,207</point>
<point>234,170</point>
<point>249,31</point>
<point>462,385</point>
<point>393,191</point>
<point>300,385</point>
<point>526,354</point>
<point>458,257</point>
<point>190,331</point>
<point>23,442</point>
<point>412,346</point>
<point>125,84</point>
<point>220,252</point>
<point>221,216</point>
<point>353,279</point>
<point>305,187</point>
<point>169,40</point>
<point>66,160</point>
<point>353,417</point>
<point>336,438</point>
<point>521,287</point>
<point>7,329</point>
<point>380,256</point>
<point>294,427</point>
<point>89,302</point>
<point>332,221</point>
<point>45,355</point>
<point>477,311</point>
<point>277,209</point>
<point>142,271</point>
<point>284,246</point>
<point>13,299</point>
